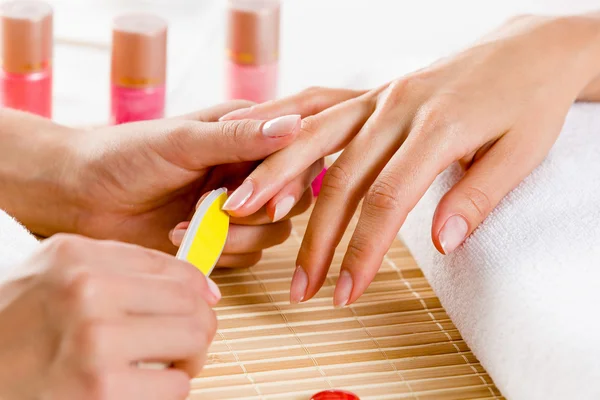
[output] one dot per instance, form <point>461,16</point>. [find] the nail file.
<point>205,238</point>
<point>203,241</point>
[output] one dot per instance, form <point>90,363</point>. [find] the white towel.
<point>16,244</point>
<point>524,290</point>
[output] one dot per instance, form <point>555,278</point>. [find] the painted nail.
<point>282,126</point>
<point>177,236</point>
<point>453,233</point>
<point>283,207</point>
<point>236,114</point>
<point>214,289</point>
<point>299,285</point>
<point>239,197</point>
<point>343,289</point>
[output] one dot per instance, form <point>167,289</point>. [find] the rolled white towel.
<point>16,244</point>
<point>525,287</point>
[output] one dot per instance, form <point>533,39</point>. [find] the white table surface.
<point>349,43</point>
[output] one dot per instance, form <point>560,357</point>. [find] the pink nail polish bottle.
<point>253,49</point>
<point>138,68</point>
<point>26,51</point>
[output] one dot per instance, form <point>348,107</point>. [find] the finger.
<point>320,135</point>
<point>195,145</point>
<point>249,239</point>
<point>344,185</point>
<point>427,152</point>
<point>138,260</point>
<point>308,102</point>
<point>239,260</point>
<point>489,179</point>
<point>168,384</point>
<point>160,339</point>
<point>264,217</point>
<point>212,114</point>
<point>283,202</point>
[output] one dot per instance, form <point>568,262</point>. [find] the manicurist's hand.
<point>86,318</point>
<point>496,108</point>
<point>136,182</point>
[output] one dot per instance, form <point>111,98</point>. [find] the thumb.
<point>464,207</point>
<point>203,144</point>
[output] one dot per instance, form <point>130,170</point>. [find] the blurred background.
<point>350,43</point>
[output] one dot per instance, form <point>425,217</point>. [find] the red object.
<point>318,182</point>
<point>334,395</point>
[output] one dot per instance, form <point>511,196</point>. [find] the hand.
<point>249,236</point>
<point>135,182</point>
<point>85,313</point>
<point>496,108</point>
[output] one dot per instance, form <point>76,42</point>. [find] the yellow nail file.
<point>205,238</point>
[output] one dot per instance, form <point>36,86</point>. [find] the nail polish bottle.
<point>26,52</point>
<point>138,68</point>
<point>253,49</point>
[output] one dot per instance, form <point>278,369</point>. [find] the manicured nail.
<point>214,289</point>
<point>343,289</point>
<point>282,126</point>
<point>239,197</point>
<point>177,236</point>
<point>237,114</point>
<point>453,233</point>
<point>283,207</point>
<point>299,285</point>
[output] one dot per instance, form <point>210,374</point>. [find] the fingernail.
<point>214,289</point>
<point>177,236</point>
<point>453,233</point>
<point>239,197</point>
<point>283,207</point>
<point>237,114</point>
<point>343,289</point>
<point>299,285</point>
<point>281,126</point>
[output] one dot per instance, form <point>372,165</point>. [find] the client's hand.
<point>496,108</point>
<point>136,182</point>
<point>85,312</point>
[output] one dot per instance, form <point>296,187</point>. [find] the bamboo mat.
<point>395,342</point>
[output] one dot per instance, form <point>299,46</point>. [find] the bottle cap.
<point>139,50</point>
<point>334,395</point>
<point>253,36</point>
<point>26,29</point>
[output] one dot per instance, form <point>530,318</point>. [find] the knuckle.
<point>383,196</point>
<point>479,201</point>
<point>78,289</point>
<point>311,125</point>
<point>358,249</point>
<point>237,131</point>
<point>336,180</point>
<point>65,246</point>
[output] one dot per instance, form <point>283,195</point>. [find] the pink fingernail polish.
<point>177,236</point>
<point>318,182</point>
<point>299,285</point>
<point>26,73</point>
<point>239,197</point>
<point>282,126</point>
<point>214,289</point>
<point>253,49</point>
<point>283,207</point>
<point>343,289</point>
<point>453,233</point>
<point>138,71</point>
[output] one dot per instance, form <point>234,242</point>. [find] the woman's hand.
<point>496,108</point>
<point>136,182</point>
<point>84,313</point>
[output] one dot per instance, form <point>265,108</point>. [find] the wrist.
<point>37,173</point>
